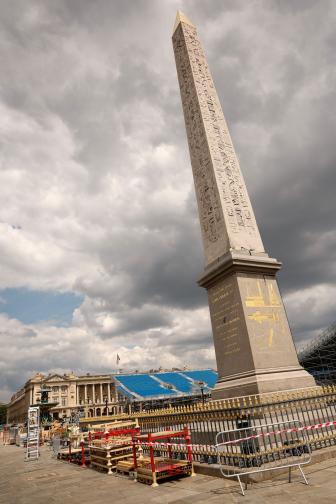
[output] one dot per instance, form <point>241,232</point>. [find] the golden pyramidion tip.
<point>181,18</point>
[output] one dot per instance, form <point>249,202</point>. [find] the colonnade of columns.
<point>90,392</point>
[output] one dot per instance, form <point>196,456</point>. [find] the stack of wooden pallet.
<point>126,424</point>
<point>161,468</point>
<point>105,455</point>
<point>126,466</point>
<point>164,468</point>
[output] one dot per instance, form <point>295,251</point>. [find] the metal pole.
<point>170,450</point>
<point>83,454</point>
<point>134,456</point>
<point>241,486</point>
<point>152,460</point>
<point>303,474</point>
<point>189,451</point>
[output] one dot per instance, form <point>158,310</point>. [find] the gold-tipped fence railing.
<point>312,407</point>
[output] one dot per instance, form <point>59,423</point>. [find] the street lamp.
<point>106,403</point>
<point>201,385</point>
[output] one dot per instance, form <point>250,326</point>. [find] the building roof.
<point>147,386</point>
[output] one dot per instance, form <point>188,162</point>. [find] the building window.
<point>64,401</point>
<point>64,388</point>
<point>55,389</point>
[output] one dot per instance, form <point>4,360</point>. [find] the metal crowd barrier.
<point>9,435</point>
<point>56,444</point>
<point>257,449</point>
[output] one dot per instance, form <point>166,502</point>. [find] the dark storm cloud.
<point>283,96</point>
<point>98,176</point>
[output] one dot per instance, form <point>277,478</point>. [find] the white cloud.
<point>40,347</point>
<point>314,303</point>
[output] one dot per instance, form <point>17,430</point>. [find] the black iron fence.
<point>310,407</point>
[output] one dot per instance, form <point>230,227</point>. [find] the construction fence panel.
<point>262,448</point>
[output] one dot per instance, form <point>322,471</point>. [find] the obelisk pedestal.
<point>254,348</point>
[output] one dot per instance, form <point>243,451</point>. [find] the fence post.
<point>83,454</point>
<point>189,450</point>
<point>152,460</point>
<point>134,456</point>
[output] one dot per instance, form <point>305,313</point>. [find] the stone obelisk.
<point>254,347</point>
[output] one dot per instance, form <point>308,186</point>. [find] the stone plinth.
<point>254,347</point>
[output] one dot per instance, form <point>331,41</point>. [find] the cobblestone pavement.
<point>52,481</point>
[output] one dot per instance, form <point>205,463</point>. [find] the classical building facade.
<point>93,395</point>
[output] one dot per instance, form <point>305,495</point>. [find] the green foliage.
<point>3,411</point>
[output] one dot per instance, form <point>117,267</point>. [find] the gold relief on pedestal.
<point>261,317</point>
<point>274,299</point>
<point>264,311</point>
<point>258,300</point>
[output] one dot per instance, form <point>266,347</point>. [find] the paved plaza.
<point>52,481</point>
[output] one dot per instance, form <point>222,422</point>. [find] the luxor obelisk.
<point>254,348</point>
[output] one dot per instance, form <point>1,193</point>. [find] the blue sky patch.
<point>31,307</point>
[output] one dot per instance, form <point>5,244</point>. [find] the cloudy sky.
<point>99,237</point>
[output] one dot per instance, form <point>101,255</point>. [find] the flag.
<point>118,359</point>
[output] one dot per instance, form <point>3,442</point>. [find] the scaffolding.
<point>33,433</point>
<point>319,357</point>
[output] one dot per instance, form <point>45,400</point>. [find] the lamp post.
<point>201,386</point>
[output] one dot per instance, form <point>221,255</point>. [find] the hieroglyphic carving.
<point>226,215</point>
<point>210,212</point>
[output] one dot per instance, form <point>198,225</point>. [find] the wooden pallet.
<point>164,469</point>
<point>127,465</point>
<point>106,457</point>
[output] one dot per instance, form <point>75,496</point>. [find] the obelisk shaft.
<point>225,211</point>
<point>254,348</point>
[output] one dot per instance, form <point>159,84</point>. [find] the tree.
<point>3,413</point>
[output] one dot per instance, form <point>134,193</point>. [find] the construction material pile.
<point>111,446</point>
